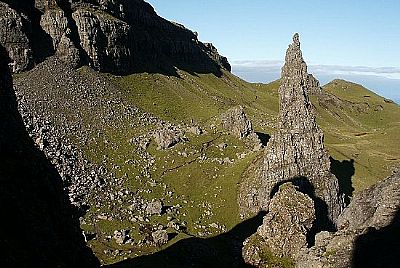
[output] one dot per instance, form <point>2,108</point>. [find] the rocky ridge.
<point>368,231</point>
<point>111,36</point>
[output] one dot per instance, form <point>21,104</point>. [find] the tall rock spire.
<point>296,151</point>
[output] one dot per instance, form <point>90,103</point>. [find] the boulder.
<point>291,215</point>
<point>160,237</point>
<point>154,207</point>
<point>284,230</point>
<point>236,122</point>
<point>121,237</point>
<point>167,137</point>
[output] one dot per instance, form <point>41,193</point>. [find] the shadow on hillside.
<point>39,224</point>
<point>264,138</point>
<point>344,171</point>
<point>224,250</point>
<point>379,248</point>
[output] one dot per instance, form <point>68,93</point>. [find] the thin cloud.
<point>273,66</point>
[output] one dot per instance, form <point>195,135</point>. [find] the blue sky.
<point>357,40</point>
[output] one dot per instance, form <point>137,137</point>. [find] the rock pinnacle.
<point>296,152</point>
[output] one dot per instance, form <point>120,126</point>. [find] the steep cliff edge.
<point>111,36</point>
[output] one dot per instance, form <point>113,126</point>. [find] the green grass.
<point>203,97</point>
<point>365,129</point>
<point>367,135</point>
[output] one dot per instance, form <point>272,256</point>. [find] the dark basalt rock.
<point>112,36</point>
<point>14,28</point>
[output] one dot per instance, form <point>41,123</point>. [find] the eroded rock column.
<point>296,151</point>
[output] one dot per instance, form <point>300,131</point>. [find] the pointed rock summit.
<point>296,151</point>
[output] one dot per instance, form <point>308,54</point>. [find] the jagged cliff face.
<point>13,36</point>
<point>112,36</point>
<point>296,152</point>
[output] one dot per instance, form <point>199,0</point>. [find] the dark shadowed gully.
<point>40,228</point>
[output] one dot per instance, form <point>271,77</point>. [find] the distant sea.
<point>385,87</point>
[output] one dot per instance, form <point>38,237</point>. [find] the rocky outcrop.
<point>296,151</point>
<point>55,23</point>
<point>113,36</point>
<point>104,39</point>
<point>235,121</point>
<point>368,232</point>
<point>290,216</point>
<point>167,137</point>
<point>14,28</point>
<point>284,230</point>
<point>160,237</point>
<point>374,207</point>
<point>313,86</point>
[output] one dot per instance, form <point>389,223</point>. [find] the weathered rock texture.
<point>40,227</point>
<point>285,227</point>
<point>167,137</point>
<point>374,207</point>
<point>291,215</point>
<point>368,235</point>
<point>296,151</point>
<point>114,36</point>
<point>13,36</point>
<point>236,122</point>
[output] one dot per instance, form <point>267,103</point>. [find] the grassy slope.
<point>207,190</point>
<point>363,129</point>
<point>366,134</point>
